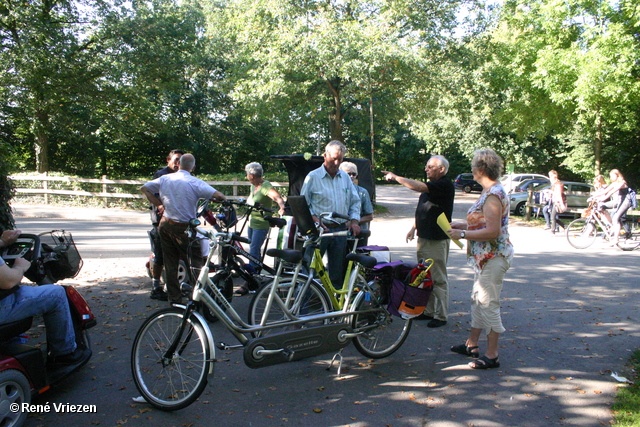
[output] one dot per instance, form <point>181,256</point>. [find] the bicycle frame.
<point>596,217</point>
<point>229,316</point>
<point>291,303</point>
<point>344,293</point>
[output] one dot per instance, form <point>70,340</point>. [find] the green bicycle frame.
<point>318,266</point>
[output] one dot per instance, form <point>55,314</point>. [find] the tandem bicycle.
<point>173,353</point>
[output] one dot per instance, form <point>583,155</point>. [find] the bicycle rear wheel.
<point>381,333</point>
<point>170,384</point>
<point>314,301</point>
<point>631,238</point>
<point>581,233</point>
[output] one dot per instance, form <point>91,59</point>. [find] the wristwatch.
<point>462,235</point>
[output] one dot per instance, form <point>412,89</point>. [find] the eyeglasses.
<point>353,174</point>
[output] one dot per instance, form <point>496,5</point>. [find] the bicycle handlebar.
<point>243,202</point>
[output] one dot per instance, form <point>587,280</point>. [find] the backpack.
<point>633,198</point>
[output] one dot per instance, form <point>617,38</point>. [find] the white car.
<point>510,181</point>
<point>577,194</point>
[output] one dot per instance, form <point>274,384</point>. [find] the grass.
<point>626,405</point>
<point>379,209</point>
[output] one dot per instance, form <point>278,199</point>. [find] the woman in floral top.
<point>489,252</point>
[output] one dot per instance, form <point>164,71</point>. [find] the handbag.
<point>561,205</point>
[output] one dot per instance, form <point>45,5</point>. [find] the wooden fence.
<point>107,187</point>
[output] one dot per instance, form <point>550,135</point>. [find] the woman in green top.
<point>262,193</point>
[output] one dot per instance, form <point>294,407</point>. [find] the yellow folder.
<point>443,222</point>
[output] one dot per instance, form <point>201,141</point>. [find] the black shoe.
<point>186,289</point>
<point>159,294</point>
<point>436,323</point>
<point>77,356</point>
<point>241,291</point>
<point>423,317</point>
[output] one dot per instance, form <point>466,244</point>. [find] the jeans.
<point>335,247</point>
<point>551,217</point>
<point>49,301</point>
<point>257,237</point>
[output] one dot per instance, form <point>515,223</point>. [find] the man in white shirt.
<point>179,195</point>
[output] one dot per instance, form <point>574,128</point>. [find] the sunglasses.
<point>352,174</point>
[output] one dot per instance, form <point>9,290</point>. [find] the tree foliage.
<point>109,87</point>
<point>552,83</point>
<point>311,67</point>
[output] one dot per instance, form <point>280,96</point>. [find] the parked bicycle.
<point>227,262</point>
<point>174,350</point>
<point>583,232</point>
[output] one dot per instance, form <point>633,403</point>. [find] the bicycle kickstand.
<point>338,356</point>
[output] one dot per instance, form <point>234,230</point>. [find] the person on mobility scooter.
<point>20,302</point>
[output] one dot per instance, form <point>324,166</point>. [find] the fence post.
<point>45,186</point>
<point>235,187</point>
<point>105,200</point>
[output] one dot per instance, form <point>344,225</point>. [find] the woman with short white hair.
<point>262,193</point>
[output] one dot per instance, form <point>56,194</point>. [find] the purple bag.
<point>407,301</point>
<point>404,300</point>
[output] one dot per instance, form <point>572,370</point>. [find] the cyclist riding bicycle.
<point>619,196</point>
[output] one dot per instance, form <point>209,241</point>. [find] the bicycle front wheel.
<point>379,333</point>
<point>581,233</point>
<point>174,383</point>
<point>314,301</point>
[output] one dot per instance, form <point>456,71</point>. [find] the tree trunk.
<point>335,115</point>
<point>42,141</point>
<point>598,145</point>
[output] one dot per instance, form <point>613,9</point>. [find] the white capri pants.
<point>485,296</point>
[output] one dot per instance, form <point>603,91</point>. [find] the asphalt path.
<point>571,318</point>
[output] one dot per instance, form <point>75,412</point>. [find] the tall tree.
<point>581,59</point>
<point>309,65</point>
<point>47,53</point>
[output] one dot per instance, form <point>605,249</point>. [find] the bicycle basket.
<point>227,216</point>
<point>60,256</point>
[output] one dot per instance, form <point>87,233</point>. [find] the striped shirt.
<point>326,194</point>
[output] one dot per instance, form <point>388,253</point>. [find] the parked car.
<point>577,194</point>
<point>510,181</point>
<point>524,185</point>
<point>466,183</point>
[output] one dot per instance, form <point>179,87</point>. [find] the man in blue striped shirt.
<point>328,189</point>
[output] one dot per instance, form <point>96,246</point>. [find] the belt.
<point>333,225</point>
<point>172,222</point>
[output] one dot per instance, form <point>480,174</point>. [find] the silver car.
<point>577,194</point>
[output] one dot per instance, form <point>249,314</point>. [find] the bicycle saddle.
<point>288,255</point>
<point>276,222</point>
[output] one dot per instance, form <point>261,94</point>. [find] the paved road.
<point>571,317</point>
